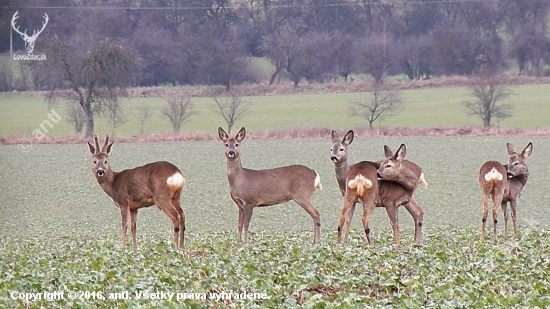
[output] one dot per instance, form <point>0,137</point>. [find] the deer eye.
<point>236,145</point>
<point>95,161</point>
<point>105,162</point>
<point>341,149</point>
<point>388,165</point>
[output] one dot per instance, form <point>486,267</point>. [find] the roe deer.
<point>256,188</point>
<point>157,183</point>
<point>503,183</point>
<point>388,193</point>
<point>398,181</point>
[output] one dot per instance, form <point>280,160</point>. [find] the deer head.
<point>232,150</point>
<point>516,163</point>
<point>29,40</point>
<point>100,158</point>
<point>339,150</point>
<point>391,168</point>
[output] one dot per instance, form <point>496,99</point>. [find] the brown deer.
<point>398,181</point>
<point>503,183</point>
<point>388,192</point>
<point>257,188</point>
<point>157,183</point>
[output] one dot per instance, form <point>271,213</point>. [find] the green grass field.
<point>432,107</point>
<point>60,232</point>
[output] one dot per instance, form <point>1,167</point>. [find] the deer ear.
<point>241,135</point>
<point>334,136</point>
<point>527,151</point>
<point>109,147</point>
<point>348,138</point>
<point>387,151</point>
<point>511,149</point>
<point>401,152</point>
<point>222,134</point>
<point>92,149</point>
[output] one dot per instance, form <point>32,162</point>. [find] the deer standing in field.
<point>399,179</point>
<point>257,188</point>
<point>157,183</point>
<point>503,183</point>
<point>389,194</point>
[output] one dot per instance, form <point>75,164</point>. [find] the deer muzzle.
<point>100,173</point>
<point>334,159</point>
<point>231,154</point>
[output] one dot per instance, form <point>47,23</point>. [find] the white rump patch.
<point>317,182</point>
<point>176,180</point>
<point>360,183</point>
<point>493,174</point>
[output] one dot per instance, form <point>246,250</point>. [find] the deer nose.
<point>333,159</point>
<point>231,154</point>
<point>100,173</point>
<point>378,176</point>
<point>510,175</point>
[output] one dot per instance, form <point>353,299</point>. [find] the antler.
<point>96,143</point>
<point>34,33</point>
<point>105,144</point>
<point>43,26</point>
<point>15,16</point>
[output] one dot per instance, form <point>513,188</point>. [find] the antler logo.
<point>29,40</point>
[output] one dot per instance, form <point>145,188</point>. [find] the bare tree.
<point>382,103</point>
<point>178,111</point>
<point>114,114</point>
<point>97,71</point>
<point>488,95</point>
<point>75,116</point>
<point>144,115</point>
<point>231,109</point>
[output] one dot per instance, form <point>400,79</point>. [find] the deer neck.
<point>341,168</point>
<point>407,179</point>
<point>106,182</point>
<point>234,169</point>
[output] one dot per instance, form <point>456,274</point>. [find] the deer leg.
<point>177,206</point>
<point>504,206</point>
<point>307,205</point>
<point>166,206</point>
<point>240,207</point>
<point>133,227</point>
<point>497,200</point>
<point>392,214</point>
<point>124,213</point>
<point>349,217</point>
<point>347,204</point>
<point>418,216</point>
<point>484,216</point>
<point>247,215</point>
<point>513,208</point>
<point>368,208</point>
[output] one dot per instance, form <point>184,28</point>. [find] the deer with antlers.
<point>29,40</point>
<point>503,184</point>
<point>389,194</point>
<point>158,183</point>
<point>258,188</point>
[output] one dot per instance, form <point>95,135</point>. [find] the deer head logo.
<point>29,40</point>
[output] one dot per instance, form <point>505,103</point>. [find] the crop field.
<point>60,234</point>
<point>429,107</point>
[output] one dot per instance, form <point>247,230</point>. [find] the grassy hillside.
<point>429,107</point>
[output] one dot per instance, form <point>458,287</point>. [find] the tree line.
<point>210,42</point>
